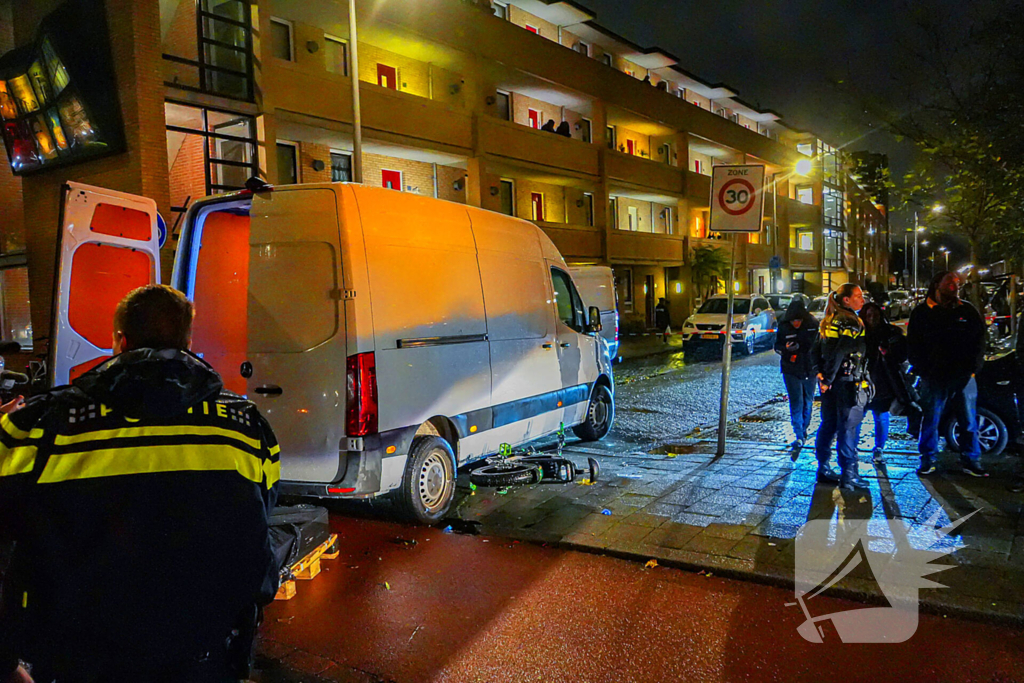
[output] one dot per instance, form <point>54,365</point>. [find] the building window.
<point>613,211</point>
<point>535,118</point>
<point>610,131</point>
<point>609,59</point>
<point>500,10</point>
<point>209,151</point>
<point>805,194</point>
<point>218,58</point>
<point>281,34</point>
<point>588,208</point>
<point>537,205</point>
<point>582,48</point>
<point>507,196</point>
<point>634,218</point>
<point>15,322</point>
<point>833,248</point>
<point>336,55</point>
<point>504,105</point>
<point>806,148</point>
<point>805,240</point>
<point>341,167</point>
<point>387,76</point>
<point>624,287</point>
<point>666,220</point>
<point>586,130</point>
<point>392,180</point>
<point>287,163</point>
<point>532,29</point>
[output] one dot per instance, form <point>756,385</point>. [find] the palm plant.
<point>709,265</point>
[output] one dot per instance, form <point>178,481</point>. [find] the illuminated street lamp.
<point>945,252</point>
<point>803,167</point>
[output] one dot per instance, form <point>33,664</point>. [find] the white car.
<point>817,307</point>
<point>753,323</point>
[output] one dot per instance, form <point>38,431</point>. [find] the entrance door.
<point>537,202</point>
<point>296,330</point>
<point>651,301</point>
<point>534,118</point>
<point>109,245</point>
<point>387,76</point>
<point>391,180</point>
<point>630,147</point>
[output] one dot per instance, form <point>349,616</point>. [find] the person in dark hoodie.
<point>841,366</point>
<point>138,498</point>
<point>886,353</point>
<point>794,341</point>
<point>946,340</point>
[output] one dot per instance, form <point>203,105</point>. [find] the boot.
<point>827,475</point>
<point>851,481</point>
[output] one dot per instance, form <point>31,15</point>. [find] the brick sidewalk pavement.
<point>738,516</point>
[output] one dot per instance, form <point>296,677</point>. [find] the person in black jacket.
<point>886,353</point>
<point>661,319</point>
<point>946,340</point>
<point>138,498</point>
<point>797,333</point>
<point>841,367</point>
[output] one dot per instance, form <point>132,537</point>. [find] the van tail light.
<point>361,395</point>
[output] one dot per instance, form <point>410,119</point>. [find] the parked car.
<point>998,422</point>
<point>779,302</point>
<point>898,305</point>
<point>754,322</point>
<point>817,307</point>
<point>597,287</point>
<point>389,338</point>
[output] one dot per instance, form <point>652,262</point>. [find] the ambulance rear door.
<point>108,245</point>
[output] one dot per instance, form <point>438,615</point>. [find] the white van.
<point>597,287</point>
<point>388,338</point>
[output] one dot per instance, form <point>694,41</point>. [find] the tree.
<point>709,265</point>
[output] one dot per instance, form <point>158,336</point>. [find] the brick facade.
<point>413,75</point>
<point>417,176</point>
<point>523,18</point>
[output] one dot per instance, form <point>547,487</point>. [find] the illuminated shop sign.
<point>58,96</point>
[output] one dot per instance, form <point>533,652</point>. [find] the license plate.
<point>709,336</point>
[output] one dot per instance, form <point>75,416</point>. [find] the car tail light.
<point>361,395</point>
<point>616,326</point>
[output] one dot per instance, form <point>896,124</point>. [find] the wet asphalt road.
<point>664,397</point>
<point>415,605</point>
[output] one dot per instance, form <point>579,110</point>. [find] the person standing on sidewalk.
<point>794,341</point>
<point>841,366</point>
<point>662,320</point>
<point>886,352</point>
<point>946,339</point>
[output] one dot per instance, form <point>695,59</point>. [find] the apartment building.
<point>528,107</point>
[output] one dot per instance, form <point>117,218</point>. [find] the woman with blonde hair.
<point>840,362</point>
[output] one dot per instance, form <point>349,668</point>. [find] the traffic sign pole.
<point>723,405</point>
<point>737,206</point>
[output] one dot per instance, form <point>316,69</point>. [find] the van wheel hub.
<point>433,480</point>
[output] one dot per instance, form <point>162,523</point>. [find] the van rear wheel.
<point>428,485</point>
<point>600,415</point>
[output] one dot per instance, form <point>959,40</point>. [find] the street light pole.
<point>357,113</point>
<point>906,258</point>
<point>915,249</point>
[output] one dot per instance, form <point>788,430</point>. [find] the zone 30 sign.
<point>737,198</point>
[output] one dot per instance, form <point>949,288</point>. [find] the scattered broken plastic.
<point>606,511</point>
<point>651,564</point>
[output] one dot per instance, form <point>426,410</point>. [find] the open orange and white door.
<point>108,245</point>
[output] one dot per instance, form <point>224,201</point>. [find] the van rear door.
<point>107,246</point>
<point>296,328</point>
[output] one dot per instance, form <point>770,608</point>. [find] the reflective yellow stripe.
<point>272,470</point>
<point>274,450</point>
<point>10,428</point>
<point>112,462</point>
<point>175,430</point>
<point>18,460</point>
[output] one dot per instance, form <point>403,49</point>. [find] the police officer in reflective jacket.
<point>840,362</point>
<point>138,498</point>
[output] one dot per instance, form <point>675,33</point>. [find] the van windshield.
<point>740,306</point>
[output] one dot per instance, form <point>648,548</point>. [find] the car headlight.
<point>688,324</point>
<point>738,326</point>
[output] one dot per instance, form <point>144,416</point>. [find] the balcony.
<point>800,214</point>
<point>645,173</point>
<point>384,110</point>
<point>626,246</point>
<point>513,141</point>
<point>574,241</point>
<point>800,259</point>
<point>698,189</point>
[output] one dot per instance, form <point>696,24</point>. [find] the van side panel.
<point>520,326</point>
<point>427,305</point>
